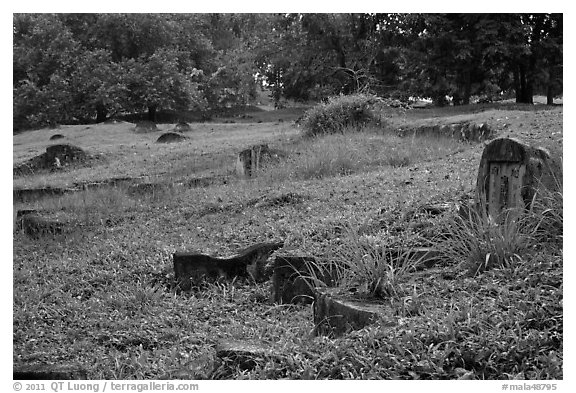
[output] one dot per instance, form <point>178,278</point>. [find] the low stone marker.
<point>192,268</point>
<point>295,278</point>
<point>250,160</point>
<point>48,371</point>
<point>335,314</point>
<point>36,226</point>
<point>510,172</point>
<point>464,131</point>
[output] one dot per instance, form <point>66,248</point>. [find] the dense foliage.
<point>88,67</point>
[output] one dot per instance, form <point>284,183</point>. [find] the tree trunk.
<point>523,82</point>
<point>550,87</point>
<point>467,85</point>
<point>101,113</point>
<point>152,113</point>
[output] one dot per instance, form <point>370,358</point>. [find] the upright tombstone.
<point>510,172</point>
<point>250,160</point>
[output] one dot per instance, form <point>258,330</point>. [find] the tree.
<point>156,82</point>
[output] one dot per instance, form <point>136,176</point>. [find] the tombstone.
<point>250,160</point>
<point>510,172</point>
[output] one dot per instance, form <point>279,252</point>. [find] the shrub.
<point>340,113</point>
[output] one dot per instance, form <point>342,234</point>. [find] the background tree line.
<point>89,67</point>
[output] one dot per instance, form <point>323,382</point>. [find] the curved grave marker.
<point>192,268</point>
<point>511,172</point>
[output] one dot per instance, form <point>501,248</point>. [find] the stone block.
<point>36,226</point>
<point>335,314</point>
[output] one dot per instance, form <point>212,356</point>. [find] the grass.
<point>353,151</point>
<point>372,267</point>
<point>101,294</point>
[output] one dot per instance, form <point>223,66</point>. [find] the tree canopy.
<point>87,67</point>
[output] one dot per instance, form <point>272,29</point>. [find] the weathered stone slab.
<point>33,194</point>
<point>295,278</point>
<point>245,355</point>
<point>250,160</point>
<point>48,371</point>
<point>35,226</point>
<point>510,172</point>
<point>464,131</point>
<point>335,315</point>
<point>192,268</point>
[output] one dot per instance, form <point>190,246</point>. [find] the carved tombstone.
<point>250,160</point>
<point>510,173</point>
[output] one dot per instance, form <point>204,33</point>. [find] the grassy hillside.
<point>100,295</point>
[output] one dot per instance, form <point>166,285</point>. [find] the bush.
<point>340,113</point>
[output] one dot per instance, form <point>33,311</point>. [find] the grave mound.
<point>182,127</point>
<point>56,157</point>
<point>170,137</point>
<point>145,126</point>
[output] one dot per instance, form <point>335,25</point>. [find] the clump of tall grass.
<point>547,213</point>
<point>340,113</point>
<point>479,242</point>
<point>371,268</point>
